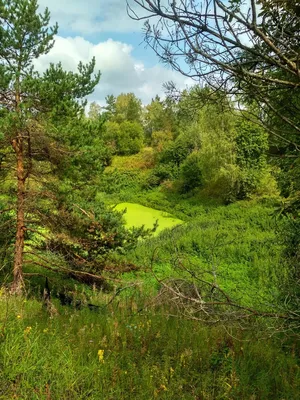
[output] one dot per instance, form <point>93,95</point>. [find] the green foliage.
<point>232,151</point>
<point>159,139</point>
<point>115,181</point>
<point>235,244</point>
<point>111,134</point>
<point>110,108</point>
<point>176,152</point>
<point>89,150</point>
<point>288,172</point>
<point>125,138</point>
<point>252,144</point>
<point>161,173</point>
<point>160,116</point>
<point>94,111</point>
<point>154,117</point>
<point>62,92</point>
<point>58,149</point>
<point>142,161</point>
<point>126,107</point>
<point>130,140</point>
<point>191,172</point>
<point>251,148</point>
<point>290,235</point>
<point>19,16</point>
<point>85,238</point>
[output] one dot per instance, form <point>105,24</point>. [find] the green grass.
<point>137,215</point>
<point>146,355</point>
<point>236,244</point>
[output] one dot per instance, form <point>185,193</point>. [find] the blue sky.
<point>102,28</point>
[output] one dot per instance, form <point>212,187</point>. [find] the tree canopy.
<point>249,50</point>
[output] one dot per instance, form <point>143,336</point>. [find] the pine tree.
<point>32,103</point>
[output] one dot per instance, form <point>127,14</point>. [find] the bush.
<point>116,181</point>
<point>130,139</point>
<point>191,173</point>
<point>159,139</point>
<point>161,173</point>
<point>177,151</point>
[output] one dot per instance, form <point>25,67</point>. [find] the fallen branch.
<point>81,276</point>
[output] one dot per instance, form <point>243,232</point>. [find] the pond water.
<point>137,215</point>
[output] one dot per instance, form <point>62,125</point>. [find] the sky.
<point>102,28</point>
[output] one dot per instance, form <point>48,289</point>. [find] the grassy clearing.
<point>121,354</point>
<point>234,244</point>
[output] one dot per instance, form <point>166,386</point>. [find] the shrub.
<point>159,139</point>
<point>161,173</point>
<point>191,173</point>
<point>177,151</point>
<point>130,139</point>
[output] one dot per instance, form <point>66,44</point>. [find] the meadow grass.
<point>119,353</point>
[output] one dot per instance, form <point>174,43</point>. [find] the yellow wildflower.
<point>18,316</point>
<point>27,330</point>
<point>101,355</point>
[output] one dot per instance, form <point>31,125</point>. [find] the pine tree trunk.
<point>17,285</point>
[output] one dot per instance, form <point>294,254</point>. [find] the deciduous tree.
<point>249,49</point>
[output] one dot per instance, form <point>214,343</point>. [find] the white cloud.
<point>121,72</point>
<point>91,16</point>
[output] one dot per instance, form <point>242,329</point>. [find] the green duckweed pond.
<point>137,215</point>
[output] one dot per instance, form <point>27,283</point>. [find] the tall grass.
<point>235,245</point>
<point>119,353</point>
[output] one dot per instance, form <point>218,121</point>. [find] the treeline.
<point>199,141</point>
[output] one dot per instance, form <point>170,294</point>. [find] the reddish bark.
<point>17,285</point>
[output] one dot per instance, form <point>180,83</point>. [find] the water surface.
<point>137,215</point>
